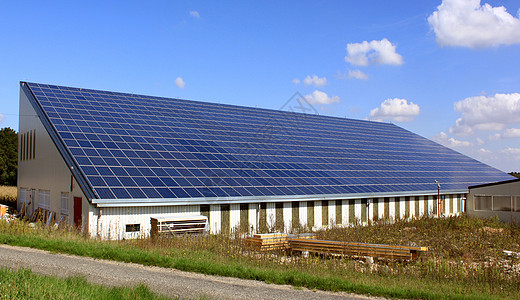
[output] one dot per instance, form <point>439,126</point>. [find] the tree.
<point>8,156</point>
<point>516,174</point>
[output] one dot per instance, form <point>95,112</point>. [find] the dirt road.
<point>168,282</point>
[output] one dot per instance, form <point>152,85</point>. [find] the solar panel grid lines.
<point>172,148</point>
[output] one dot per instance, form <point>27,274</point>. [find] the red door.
<point>77,212</point>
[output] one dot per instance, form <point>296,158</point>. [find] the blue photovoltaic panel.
<point>133,146</point>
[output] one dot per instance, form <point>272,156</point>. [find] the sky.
<point>448,70</point>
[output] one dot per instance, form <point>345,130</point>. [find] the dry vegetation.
<point>464,253</point>
<point>465,261</point>
<point>8,195</point>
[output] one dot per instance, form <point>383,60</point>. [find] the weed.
<point>465,259</point>
<point>23,284</point>
<point>8,195</point>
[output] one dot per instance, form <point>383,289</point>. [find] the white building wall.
<point>402,208</point>
<point>287,215</point>
<point>357,209</point>
<point>344,212</point>
<point>412,207</point>
<point>215,216</point>
<point>370,212</point>
<point>446,205</point>
<point>422,210</point>
<point>93,217</point>
<point>381,208</point>
<point>234,216</point>
<point>332,212</point>
<point>318,223</point>
<point>391,208</point>
<point>303,213</point>
<point>431,205</point>
<point>253,215</point>
<point>270,214</point>
<point>454,205</point>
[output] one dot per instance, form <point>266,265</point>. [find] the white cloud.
<point>484,151</point>
<point>1,118</point>
<point>512,151</point>
<point>319,97</point>
<point>296,81</point>
<point>444,139</point>
<point>315,80</point>
<point>179,82</point>
<point>194,14</point>
<point>494,137</point>
<point>509,133</point>
<point>375,52</point>
<point>469,24</point>
<point>357,74</point>
<point>395,109</point>
<point>486,113</point>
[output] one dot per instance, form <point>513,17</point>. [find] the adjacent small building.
<point>108,162</point>
<point>500,199</point>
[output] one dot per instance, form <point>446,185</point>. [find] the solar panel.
<point>134,146</point>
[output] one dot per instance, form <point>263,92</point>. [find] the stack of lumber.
<point>45,216</point>
<point>23,212</point>
<point>302,236</point>
<point>268,241</point>
<point>355,249</point>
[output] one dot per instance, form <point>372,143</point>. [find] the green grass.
<point>448,272</point>
<point>23,284</point>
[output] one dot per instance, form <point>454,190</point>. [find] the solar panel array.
<point>134,146</point>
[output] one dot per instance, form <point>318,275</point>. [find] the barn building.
<point>497,199</point>
<point>109,162</point>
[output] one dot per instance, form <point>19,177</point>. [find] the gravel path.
<point>168,282</point>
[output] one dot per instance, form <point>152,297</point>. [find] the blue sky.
<point>448,70</point>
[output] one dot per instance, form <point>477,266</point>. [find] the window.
<point>22,146</point>
<point>34,144</point>
<point>28,145</point>
<point>29,149</point>
<point>65,204</point>
<point>23,196</point>
<point>502,203</point>
<point>25,146</point>
<point>133,227</point>
<point>44,199</point>
<point>482,202</point>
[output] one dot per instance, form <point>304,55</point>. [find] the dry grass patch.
<point>8,195</point>
<point>465,261</point>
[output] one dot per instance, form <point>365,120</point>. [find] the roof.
<point>494,183</point>
<point>135,149</point>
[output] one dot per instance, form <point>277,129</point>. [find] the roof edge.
<point>494,183</point>
<point>140,202</point>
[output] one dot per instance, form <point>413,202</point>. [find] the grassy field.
<point>24,284</point>
<point>465,260</point>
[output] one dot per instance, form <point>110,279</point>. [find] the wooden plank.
<point>360,249</point>
<point>275,241</point>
